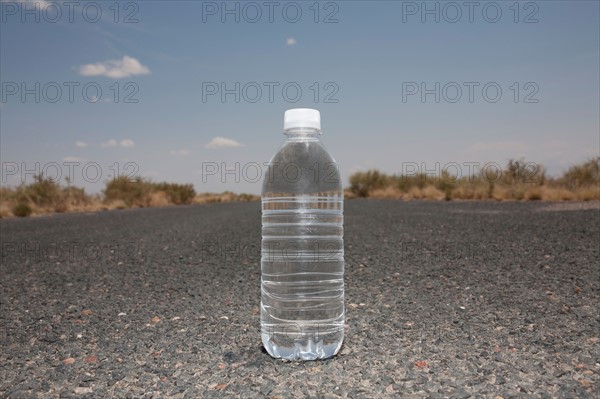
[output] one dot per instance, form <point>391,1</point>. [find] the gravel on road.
<point>443,299</point>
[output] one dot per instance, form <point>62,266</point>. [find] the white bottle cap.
<point>302,117</point>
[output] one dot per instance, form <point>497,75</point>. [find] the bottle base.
<point>280,347</point>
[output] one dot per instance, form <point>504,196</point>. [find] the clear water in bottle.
<point>302,295</point>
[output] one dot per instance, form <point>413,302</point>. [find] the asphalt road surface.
<point>458,299</point>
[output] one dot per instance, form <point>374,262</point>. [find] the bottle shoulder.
<point>301,167</point>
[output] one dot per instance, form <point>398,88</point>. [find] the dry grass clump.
<point>470,191</point>
<point>139,192</point>
<point>387,193</point>
<point>431,192</point>
<point>427,193</point>
<point>348,194</point>
<point>557,194</point>
<point>587,193</point>
<point>158,199</point>
<point>227,196</point>
<point>362,184</point>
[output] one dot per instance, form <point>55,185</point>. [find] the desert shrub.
<point>43,192</point>
<point>362,183</point>
<point>585,175</point>
<point>44,195</point>
<point>470,190</point>
<point>534,194</point>
<point>141,192</point>
<point>406,182</point>
<point>117,204</point>
<point>588,193</point>
<point>177,193</point>
<point>414,193</point>
<point>522,172</point>
<point>21,209</point>
<point>247,197</point>
<point>446,183</point>
<point>76,196</point>
<point>389,192</point>
<point>518,180</point>
<point>7,194</point>
<point>490,189</point>
<point>226,196</point>
<point>158,198</point>
<point>133,192</point>
<point>349,194</point>
<point>516,192</point>
<point>431,192</point>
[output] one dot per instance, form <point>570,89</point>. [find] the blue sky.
<point>367,60</point>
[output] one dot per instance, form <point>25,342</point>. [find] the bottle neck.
<point>302,134</point>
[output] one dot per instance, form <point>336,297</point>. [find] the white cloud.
<point>110,143</point>
<point>125,67</point>
<point>221,142</point>
<point>35,4</point>
<point>81,144</point>
<point>182,152</point>
<point>73,159</point>
<point>127,143</point>
<point>291,41</point>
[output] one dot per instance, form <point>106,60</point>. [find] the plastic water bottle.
<point>302,288</point>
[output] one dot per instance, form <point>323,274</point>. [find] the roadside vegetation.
<point>519,180</point>
<point>45,196</point>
